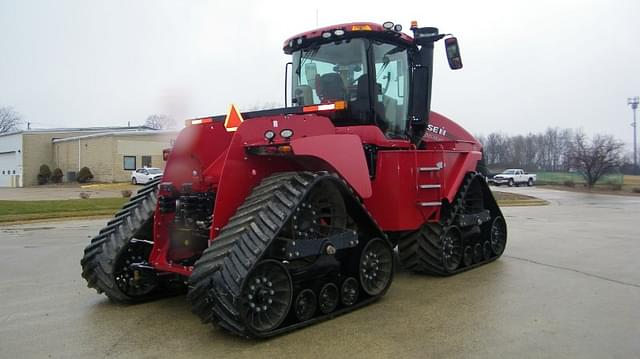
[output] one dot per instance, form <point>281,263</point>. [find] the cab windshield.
<point>340,71</point>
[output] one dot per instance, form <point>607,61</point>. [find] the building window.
<point>129,162</point>
<point>14,171</point>
<point>146,161</point>
<point>2,172</point>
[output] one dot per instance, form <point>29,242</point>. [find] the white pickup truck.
<point>514,177</point>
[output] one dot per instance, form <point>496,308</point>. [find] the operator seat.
<point>360,107</point>
<point>303,95</point>
<point>331,88</point>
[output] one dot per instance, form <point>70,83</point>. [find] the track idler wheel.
<point>132,274</point>
<point>305,305</point>
<point>349,291</point>
<point>376,267</point>
<point>266,296</point>
<point>498,237</point>
<point>328,298</point>
<point>451,249</point>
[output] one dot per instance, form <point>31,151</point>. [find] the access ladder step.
<point>429,186</point>
<point>429,204</point>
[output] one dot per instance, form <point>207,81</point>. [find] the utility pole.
<point>633,102</point>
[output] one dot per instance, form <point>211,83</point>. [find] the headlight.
<point>286,133</point>
<point>269,135</point>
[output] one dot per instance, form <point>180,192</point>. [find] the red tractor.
<point>277,219</point>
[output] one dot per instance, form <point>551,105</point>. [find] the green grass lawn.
<point>27,210</point>
<point>16,211</point>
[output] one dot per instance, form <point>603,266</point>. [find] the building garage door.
<point>8,169</point>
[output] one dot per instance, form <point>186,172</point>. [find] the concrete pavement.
<point>567,286</point>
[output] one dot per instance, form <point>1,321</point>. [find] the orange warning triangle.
<point>233,120</point>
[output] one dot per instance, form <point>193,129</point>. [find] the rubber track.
<point>216,282</point>
<point>101,253</point>
<point>421,251</point>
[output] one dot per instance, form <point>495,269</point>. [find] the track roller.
<point>349,291</point>
<point>328,298</point>
<point>305,305</point>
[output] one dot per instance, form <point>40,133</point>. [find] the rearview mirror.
<point>453,53</point>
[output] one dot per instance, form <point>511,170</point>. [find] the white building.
<point>23,152</point>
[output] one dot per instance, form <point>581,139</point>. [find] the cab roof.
<point>354,29</point>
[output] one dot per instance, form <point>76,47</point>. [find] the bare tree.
<point>596,157</point>
<point>9,119</point>
<point>160,122</point>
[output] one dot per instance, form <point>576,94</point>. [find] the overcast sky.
<point>527,64</point>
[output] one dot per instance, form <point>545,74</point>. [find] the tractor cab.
<point>371,76</point>
<point>379,75</point>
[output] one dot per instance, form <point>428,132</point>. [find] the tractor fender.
<point>344,153</point>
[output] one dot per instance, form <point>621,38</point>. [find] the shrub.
<point>569,183</point>
<point>85,195</point>
<point>56,176</point>
<point>44,174</point>
<point>636,190</point>
<point>85,175</point>
<point>126,193</point>
<point>616,186</point>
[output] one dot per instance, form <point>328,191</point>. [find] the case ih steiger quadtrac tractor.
<point>278,219</point>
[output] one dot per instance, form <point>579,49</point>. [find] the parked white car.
<point>144,175</point>
<point>514,177</point>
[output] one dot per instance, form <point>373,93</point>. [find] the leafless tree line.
<point>548,151</point>
<point>555,150</point>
